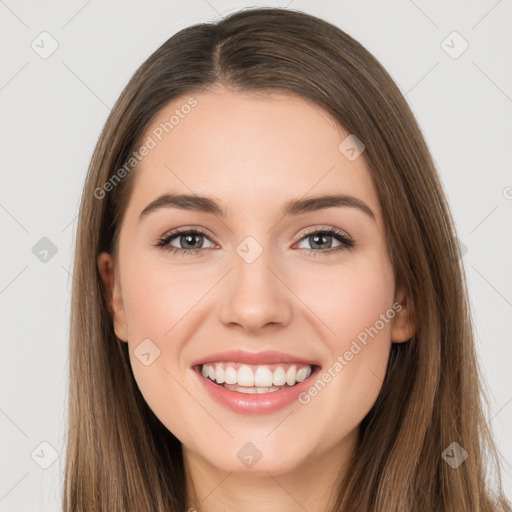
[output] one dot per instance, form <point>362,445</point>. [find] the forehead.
<point>248,150</point>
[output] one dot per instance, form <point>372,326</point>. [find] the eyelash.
<point>346,242</point>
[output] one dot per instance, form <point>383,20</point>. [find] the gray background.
<point>54,108</point>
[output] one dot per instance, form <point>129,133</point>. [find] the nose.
<point>254,295</point>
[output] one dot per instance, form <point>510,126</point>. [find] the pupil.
<point>315,237</point>
<point>190,237</point>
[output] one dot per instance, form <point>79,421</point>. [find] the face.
<point>312,286</point>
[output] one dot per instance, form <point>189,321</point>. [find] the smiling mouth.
<point>251,379</point>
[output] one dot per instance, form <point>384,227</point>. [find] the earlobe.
<point>113,295</point>
<point>403,327</point>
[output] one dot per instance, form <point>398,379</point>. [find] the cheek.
<point>159,306</point>
<point>355,307</point>
<point>350,300</point>
<point>352,308</point>
<point>158,299</point>
<point>163,305</point>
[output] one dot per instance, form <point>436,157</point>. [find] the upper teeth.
<point>256,375</point>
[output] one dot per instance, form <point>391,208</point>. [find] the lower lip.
<point>255,403</point>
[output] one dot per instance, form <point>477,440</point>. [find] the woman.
<point>312,348</point>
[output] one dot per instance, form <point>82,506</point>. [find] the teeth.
<point>251,390</point>
<point>256,378</point>
<point>230,375</point>
<point>219,374</point>
<point>263,377</point>
<point>245,376</point>
<point>290,376</point>
<point>303,374</point>
<point>279,377</point>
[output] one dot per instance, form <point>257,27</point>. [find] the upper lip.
<point>242,356</point>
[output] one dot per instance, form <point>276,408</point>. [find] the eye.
<point>322,240</point>
<point>189,241</point>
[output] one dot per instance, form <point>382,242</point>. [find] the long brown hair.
<point>119,455</point>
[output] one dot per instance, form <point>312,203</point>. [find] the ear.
<point>403,327</point>
<point>113,294</point>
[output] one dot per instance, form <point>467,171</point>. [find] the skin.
<point>253,152</point>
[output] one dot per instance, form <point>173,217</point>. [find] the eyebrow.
<point>293,207</point>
